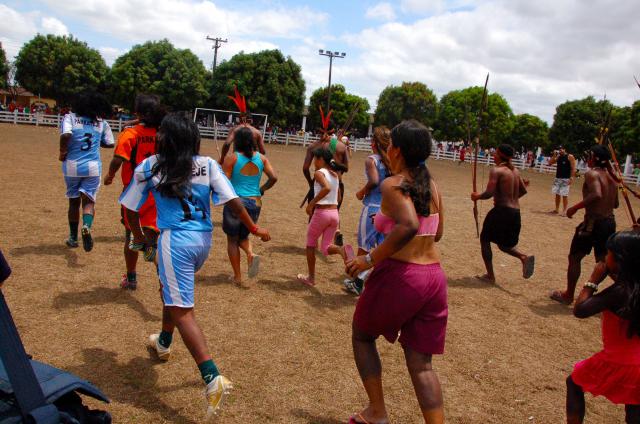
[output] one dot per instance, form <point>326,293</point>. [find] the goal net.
<point>216,123</point>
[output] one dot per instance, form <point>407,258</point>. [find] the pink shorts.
<point>324,222</point>
<point>406,298</point>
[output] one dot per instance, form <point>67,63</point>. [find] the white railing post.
<point>15,116</point>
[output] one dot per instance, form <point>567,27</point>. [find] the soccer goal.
<point>216,123</point>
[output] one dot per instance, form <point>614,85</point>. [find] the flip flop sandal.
<point>529,265</point>
<point>557,296</point>
<point>348,252</point>
<point>254,268</point>
<point>304,279</point>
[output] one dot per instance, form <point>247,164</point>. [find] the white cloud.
<point>110,54</point>
<point>382,11</point>
<point>434,6</point>
<point>53,26</point>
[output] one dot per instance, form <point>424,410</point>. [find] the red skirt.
<point>602,376</point>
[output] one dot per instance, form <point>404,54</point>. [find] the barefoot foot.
<point>486,278</point>
<point>560,297</point>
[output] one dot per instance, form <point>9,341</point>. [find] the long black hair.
<point>625,246</point>
<point>178,143</point>
<point>91,104</point>
<point>414,141</point>
<point>243,141</point>
<point>149,109</point>
<point>327,156</point>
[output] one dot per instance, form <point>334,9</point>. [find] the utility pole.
<point>215,47</point>
<point>331,55</point>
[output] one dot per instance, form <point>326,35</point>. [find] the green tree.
<point>342,103</point>
<point>411,100</point>
<point>529,132</point>
<point>576,123</point>
<point>625,130</point>
<point>157,67</point>
<point>4,69</point>
<point>59,66</point>
<point>460,108</point>
<point>271,84</point>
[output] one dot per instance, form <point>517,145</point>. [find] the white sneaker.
<point>163,352</point>
<point>216,391</point>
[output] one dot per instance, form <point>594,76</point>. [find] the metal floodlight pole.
<point>330,55</point>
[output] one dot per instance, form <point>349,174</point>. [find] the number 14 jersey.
<point>83,150</point>
<point>191,213</point>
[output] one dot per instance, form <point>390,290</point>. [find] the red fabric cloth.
<point>613,372</point>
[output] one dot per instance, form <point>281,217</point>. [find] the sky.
<point>539,53</point>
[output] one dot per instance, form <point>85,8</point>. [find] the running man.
<point>135,144</point>
<point>183,184</point>
<point>565,174</point>
<point>83,132</point>
<point>599,199</point>
<point>502,223</point>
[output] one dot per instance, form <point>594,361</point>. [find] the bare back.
<point>506,186</point>
<point>599,185</point>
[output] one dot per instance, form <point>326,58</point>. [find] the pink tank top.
<point>428,225</point>
<point>617,346</point>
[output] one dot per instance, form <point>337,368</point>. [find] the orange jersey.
<point>135,144</point>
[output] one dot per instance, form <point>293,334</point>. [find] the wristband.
<point>368,259</point>
<point>591,286</point>
<point>253,230</point>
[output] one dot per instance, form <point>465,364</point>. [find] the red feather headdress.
<point>239,100</point>
<point>325,120</point>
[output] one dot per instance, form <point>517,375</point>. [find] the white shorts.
<point>561,186</point>
<point>181,253</point>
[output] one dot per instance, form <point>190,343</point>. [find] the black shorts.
<point>502,226</point>
<point>593,234</point>
<point>231,224</point>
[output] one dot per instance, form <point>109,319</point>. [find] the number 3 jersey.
<point>83,150</point>
<point>191,213</point>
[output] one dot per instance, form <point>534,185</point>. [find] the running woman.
<point>244,169</point>
<point>183,182</point>
<point>83,132</point>
<point>376,168</point>
<point>323,210</point>
<point>613,372</point>
<point>407,291</point>
<point>135,144</point>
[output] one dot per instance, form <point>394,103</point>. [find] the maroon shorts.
<point>405,298</point>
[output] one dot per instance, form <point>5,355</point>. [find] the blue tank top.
<point>375,196</point>
<point>247,185</point>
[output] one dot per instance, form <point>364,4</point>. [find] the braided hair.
<point>414,141</point>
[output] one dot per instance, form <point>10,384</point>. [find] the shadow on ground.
<point>52,250</point>
<point>134,383</point>
<point>314,419</point>
<point>103,296</point>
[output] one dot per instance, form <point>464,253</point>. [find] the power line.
<point>215,47</point>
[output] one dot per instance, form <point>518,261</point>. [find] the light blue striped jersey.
<point>191,213</point>
<point>83,150</point>
<point>374,198</point>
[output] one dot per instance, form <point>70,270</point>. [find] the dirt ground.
<point>285,346</point>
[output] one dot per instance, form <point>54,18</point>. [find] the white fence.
<point>357,145</point>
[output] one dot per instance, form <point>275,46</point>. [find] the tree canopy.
<point>576,123</point>
<point>411,100</point>
<point>4,69</point>
<point>157,67</point>
<point>342,103</point>
<point>460,108</point>
<point>529,132</point>
<point>271,84</point>
<point>59,66</point>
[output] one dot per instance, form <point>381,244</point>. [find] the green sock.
<point>165,337</point>
<point>73,230</point>
<point>208,371</point>
<point>87,220</point>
